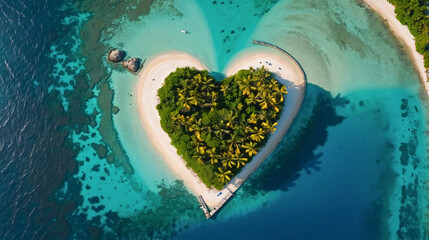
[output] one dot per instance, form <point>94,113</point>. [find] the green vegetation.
<point>413,14</point>
<point>217,127</point>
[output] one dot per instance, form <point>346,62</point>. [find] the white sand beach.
<point>151,79</point>
<point>387,11</point>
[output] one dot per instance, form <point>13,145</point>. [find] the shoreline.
<point>151,79</point>
<point>387,11</point>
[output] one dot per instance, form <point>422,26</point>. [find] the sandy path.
<point>152,78</point>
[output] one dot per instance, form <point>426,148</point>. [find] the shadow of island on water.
<point>296,152</point>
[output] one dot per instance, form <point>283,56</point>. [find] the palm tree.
<point>273,114</point>
<point>273,102</point>
<point>199,146</point>
<point>197,129</point>
<point>273,83</point>
<point>258,135</point>
<point>214,95</point>
<point>263,99</point>
<point>194,98</point>
<point>279,92</point>
<point>220,132</point>
<point>207,84</point>
<point>234,141</point>
<point>211,101</point>
<point>253,119</point>
<point>223,176</point>
<point>184,102</point>
<point>263,115</point>
<point>174,117</point>
<point>228,161</point>
<point>230,117</point>
<point>224,88</point>
<point>280,97</point>
<point>269,127</point>
<point>246,85</point>
<point>281,89</point>
<point>197,79</point>
<point>262,75</point>
<point>181,120</point>
<point>214,158</point>
<point>250,99</point>
<point>239,159</point>
<point>187,84</point>
<point>263,103</point>
<point>251,148</point>
<point>186,121</point>
<point>199,159</point>
<point>191,119</point>
<point>227,158</point>
<point>201,149</point>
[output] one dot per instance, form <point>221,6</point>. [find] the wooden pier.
<point>269,45</point>
<point>240,178</point>
<point>227,195</point>
<point>203,206</point>
<point>280,50</point>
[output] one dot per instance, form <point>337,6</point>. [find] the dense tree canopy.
<point>413,14</point>
<point>217,127</point>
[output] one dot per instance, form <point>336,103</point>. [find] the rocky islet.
<point>116,56</point>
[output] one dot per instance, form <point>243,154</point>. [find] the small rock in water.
<point>116,55</point>
<point>132,64</point>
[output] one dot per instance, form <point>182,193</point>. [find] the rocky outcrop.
<point>132,64</point>
<point>116,55</point>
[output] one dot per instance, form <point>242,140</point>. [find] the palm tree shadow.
<point>296,153</point>
<point>340,101</point>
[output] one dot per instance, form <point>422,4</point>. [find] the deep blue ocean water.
<point>352,166</point>
<point>35,159</point>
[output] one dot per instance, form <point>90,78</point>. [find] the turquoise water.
<point>353,165</point>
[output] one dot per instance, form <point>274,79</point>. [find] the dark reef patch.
<point>158,221</point>
<point>94,200</point>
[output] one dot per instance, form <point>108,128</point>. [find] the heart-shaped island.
<point>217,127</point>
<point>224,130</point>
